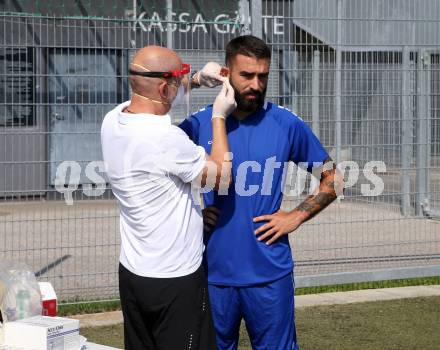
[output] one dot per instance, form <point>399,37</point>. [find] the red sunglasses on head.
<point>179,72</point>
<point>170,74</point>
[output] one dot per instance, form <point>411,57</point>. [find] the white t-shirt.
<point>150,164</point>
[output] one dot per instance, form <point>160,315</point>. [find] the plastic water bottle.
<point>23,303</point>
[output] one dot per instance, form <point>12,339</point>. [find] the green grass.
<point>397,324</point>
<point>86,307</point>
<point>106,335</point>
<point>370,285</point>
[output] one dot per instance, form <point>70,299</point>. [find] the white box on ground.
<point>43,333</point>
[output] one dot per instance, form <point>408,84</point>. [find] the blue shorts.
<point>267,309</point>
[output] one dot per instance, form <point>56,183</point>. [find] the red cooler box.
<point>49,299</point>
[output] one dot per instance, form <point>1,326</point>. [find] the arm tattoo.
<point>329,183</point>
<point>305,206</point>
<point>315,203</point>
<point>323,199</point>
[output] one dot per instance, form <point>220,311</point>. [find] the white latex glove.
<point>224,103</point>
<point>209,75</point>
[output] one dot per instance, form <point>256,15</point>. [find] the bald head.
<point>157,58</point>
<point>152,58</point>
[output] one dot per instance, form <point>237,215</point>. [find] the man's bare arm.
<point>217,170</point>
<point>331,184</point>
<point>281,223</point>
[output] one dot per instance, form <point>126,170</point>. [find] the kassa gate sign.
<point>193,19</point>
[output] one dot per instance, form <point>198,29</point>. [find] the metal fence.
<point>364,74</point>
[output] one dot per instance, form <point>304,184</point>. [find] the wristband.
<point>218,116</point>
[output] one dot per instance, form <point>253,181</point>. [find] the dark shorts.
<point>268,310</point>
<point>166,313</point>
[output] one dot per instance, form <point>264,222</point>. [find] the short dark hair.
<point>247,45</point>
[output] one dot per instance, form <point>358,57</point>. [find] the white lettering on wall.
<point>222,23</point>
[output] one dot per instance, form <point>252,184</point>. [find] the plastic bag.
<point>20,295</point>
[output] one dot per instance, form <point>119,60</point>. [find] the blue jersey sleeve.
<point>305,146</point>
<point>191,127</point>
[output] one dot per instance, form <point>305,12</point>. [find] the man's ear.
<point>163,90</point>
<point>224,71</point>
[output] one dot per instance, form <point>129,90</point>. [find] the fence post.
<point>243,12</point>
<point>295,65</point>
<point>429,108</point>
<point>315,93</point>
<point>256,18</point>
<point>169,24</point>
<point>406,154</point>
<point>338,83</point>
<point>290,78</point>
<point>422,132</point>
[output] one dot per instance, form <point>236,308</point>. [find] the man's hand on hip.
<point>278,224</point>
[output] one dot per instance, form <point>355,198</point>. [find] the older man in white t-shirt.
<point>150,165</point>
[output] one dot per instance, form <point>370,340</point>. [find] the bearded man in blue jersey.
<point>250,265</point>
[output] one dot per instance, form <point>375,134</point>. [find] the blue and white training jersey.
<point>262,144</point>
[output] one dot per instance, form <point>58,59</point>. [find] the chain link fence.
<point>365,75</point>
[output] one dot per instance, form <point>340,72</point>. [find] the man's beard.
<point>244,105</point>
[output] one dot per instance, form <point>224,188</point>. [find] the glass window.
<point>16,87</point>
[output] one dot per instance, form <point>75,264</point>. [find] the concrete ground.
<point>76,247</point>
